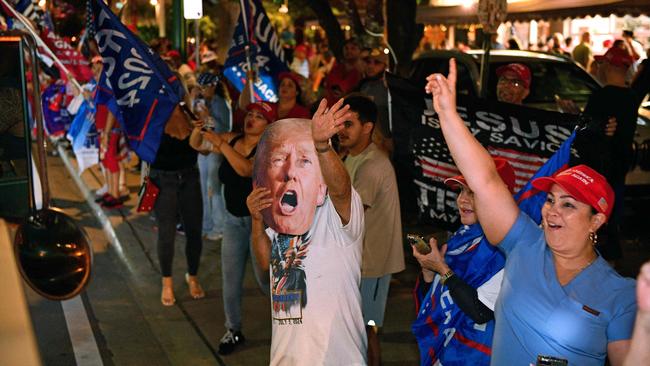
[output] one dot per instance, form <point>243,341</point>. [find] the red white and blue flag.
<point>255,31</point>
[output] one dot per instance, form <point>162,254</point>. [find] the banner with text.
<point>526,137</point>
<point>266,55</point>
<point>145,88</point>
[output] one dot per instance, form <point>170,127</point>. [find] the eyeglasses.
<point>514,82</point>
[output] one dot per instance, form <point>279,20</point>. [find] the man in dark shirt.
<point>620,102</point>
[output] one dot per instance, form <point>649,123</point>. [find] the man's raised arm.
<point>324,124</point>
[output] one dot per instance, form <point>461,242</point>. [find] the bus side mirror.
<point>54,255</point>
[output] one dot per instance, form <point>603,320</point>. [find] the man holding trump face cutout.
<point>313,242</point>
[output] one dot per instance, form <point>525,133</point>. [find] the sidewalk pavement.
<point>189,332</point>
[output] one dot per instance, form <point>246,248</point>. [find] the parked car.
<point>552,77</point>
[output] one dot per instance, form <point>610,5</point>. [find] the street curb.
<point>97,210</point>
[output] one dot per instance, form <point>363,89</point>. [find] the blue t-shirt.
<point>535,315</point>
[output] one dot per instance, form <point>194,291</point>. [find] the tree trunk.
<point>403,33</point>
<point>330,24</point>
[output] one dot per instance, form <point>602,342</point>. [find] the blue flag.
<point>529,199</point>
<point>444,332</point>
<point>145,89</point>
<point>266,54</point>
<point>84,144</point>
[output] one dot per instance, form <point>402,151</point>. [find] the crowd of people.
<point>305,187</point>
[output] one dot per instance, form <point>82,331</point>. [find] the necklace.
<point>565,276</point>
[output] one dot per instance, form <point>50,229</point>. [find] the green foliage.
<point>208,27</point>
<point>148,32</point>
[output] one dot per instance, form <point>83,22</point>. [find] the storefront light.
<point>284,8</point>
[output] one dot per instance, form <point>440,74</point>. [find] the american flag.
<point>433,157</point>
<point>524,164</point>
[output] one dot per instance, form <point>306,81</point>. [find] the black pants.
<point>180,193</point>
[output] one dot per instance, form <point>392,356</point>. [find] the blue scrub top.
<point>535,315</point>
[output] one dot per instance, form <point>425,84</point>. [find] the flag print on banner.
<point>145,88</point>
<point>526,137</point>
<point>524,164</point>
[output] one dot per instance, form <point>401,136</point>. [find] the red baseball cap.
<point>173,54</point>
<point>301,48</point>
<point>617,57</point>
<point>520,70</point>
<point>505,170</point>
<point>267,109</point>
<point>584,184</point>
<point>291,75</point>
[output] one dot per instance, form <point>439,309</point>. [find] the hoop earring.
<point>593,237</point>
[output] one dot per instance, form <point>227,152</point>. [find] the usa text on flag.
<point>145,89</point>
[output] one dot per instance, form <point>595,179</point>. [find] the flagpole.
<point>31,30</point>
<point>247,50</point>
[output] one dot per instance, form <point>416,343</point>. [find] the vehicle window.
<point>13,151</point>
<point>426,66</point>
<point>549,79</point>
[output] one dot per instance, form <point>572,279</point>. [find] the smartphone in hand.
<point>420,244</point>
<point>188,111</point>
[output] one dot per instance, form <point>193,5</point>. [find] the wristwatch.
<point>446,276</point>
<point>326,149</point>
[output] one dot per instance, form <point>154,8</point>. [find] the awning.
<point>536,10</point>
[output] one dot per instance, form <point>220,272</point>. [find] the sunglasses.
<point>514,82</point>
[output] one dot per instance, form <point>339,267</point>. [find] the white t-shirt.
<point>315,299</point>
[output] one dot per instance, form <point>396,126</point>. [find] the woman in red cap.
<point>459,286</point>
<point>235,173</point>
<point>560,302</point>
<point>289,104</point>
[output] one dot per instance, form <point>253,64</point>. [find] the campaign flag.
<point>266,54</point>
<point>529,199</point>
<point>84,142</point>
<point>30,9</point>
<point>55,114</point>
<point>105,96</point>
<point>524,136</point>
<point>146,91</point>
<point>73,60</point>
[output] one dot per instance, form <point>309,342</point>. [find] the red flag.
<point>73,60</point>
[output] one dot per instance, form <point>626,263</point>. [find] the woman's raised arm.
<point>495,207</point>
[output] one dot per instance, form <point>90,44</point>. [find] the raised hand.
<point>257,201</point>
<point>327,122</point>
<point>214,138</point>
<point>198,123</point>
<point>443,89</point>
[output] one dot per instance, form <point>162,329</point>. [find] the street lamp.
<point>193,9</point>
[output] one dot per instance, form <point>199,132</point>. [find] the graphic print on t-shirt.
<point>289,285</point>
